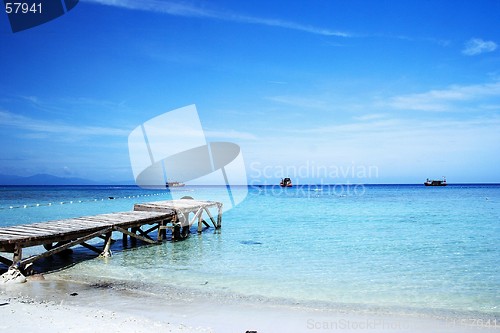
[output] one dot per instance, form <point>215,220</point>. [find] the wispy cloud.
<point>301,102</point>
<point>191,10</point>
<point>373,116</point>
<point>451,144</point>
<point>477,46</point>
<point>36,126</point>
<point>231,134</point>
<point>445,99</point>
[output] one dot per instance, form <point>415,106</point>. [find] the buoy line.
<point>68,202</point>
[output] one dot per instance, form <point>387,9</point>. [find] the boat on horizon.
<point>286,182</point>
<point>175,184</point>
<point>430,182</point>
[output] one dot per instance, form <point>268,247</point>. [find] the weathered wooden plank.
<point>211,217</point>
<point>12,233</point>
<point>6,237</point>
<point>75,225</point>
<point>83,223</point>
<point>52,228</point>
<point>23,230</point>
<point>17,239</point>
<point>131,234</point>
<point>97,220</point>
<point>30,233</point>
<point>149,230</point>
<point>91,247</point>
<point>48,227</point>
<point>167,205</point>
<point>28,240</point>
<point>110,222</point>
<point>87,220</point>
<point>145,215</point>
<point>63,247</point>
<point>174,204</point>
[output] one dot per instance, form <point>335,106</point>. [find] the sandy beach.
<point>53,305</point>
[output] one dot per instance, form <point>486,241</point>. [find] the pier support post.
<point>159,238</point>
<point>124,240</point>
<point>106,253</point>
<point>162,230</point>
<point>133,240</point>
<point>18,254</point>
<point>219,216</point>
<point>200,222</point>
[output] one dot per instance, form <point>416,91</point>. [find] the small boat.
<point>286,182</point>
<point>175,184</point>
<point>429,182</point>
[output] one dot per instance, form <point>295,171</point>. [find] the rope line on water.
<point>49,204</point>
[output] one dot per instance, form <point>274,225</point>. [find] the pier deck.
<point>183,208</point>
<point>60,235</point>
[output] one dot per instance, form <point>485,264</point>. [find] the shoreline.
<point>55,304</point>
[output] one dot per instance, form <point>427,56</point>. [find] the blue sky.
<point>331,91</point>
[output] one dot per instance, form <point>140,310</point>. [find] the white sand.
<point>26,315</point>
<point>47,306</point>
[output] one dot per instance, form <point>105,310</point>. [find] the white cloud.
<point>372,116</point>
<point>231,134</point>
<point>301,102</point>
<point>190,10</point>
<point>445,99</point>
<point>407,148</point>
<point>32,125</point>
<point>477,46</point>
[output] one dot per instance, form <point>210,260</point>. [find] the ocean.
<point>398,249</point>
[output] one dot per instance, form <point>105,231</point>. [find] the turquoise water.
<point>388,248</point>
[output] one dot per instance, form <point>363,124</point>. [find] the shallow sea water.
<point>379,248</point>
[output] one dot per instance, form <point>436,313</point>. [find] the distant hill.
<point>45,179</point>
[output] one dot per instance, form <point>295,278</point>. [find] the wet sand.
<point>54,305</point>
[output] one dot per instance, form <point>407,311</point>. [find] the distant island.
<point>46,179</point>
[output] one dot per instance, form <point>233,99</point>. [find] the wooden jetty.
<point>59,235</point>
<point>183,208</point>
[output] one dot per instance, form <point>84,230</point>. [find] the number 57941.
<point>22,8</point>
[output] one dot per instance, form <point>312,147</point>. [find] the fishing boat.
<point>430,182</point>
<point>175,184</point>
<point>286,182</point>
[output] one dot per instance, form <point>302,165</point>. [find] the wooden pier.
<point>183,208</point>
<point>59,235</point>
